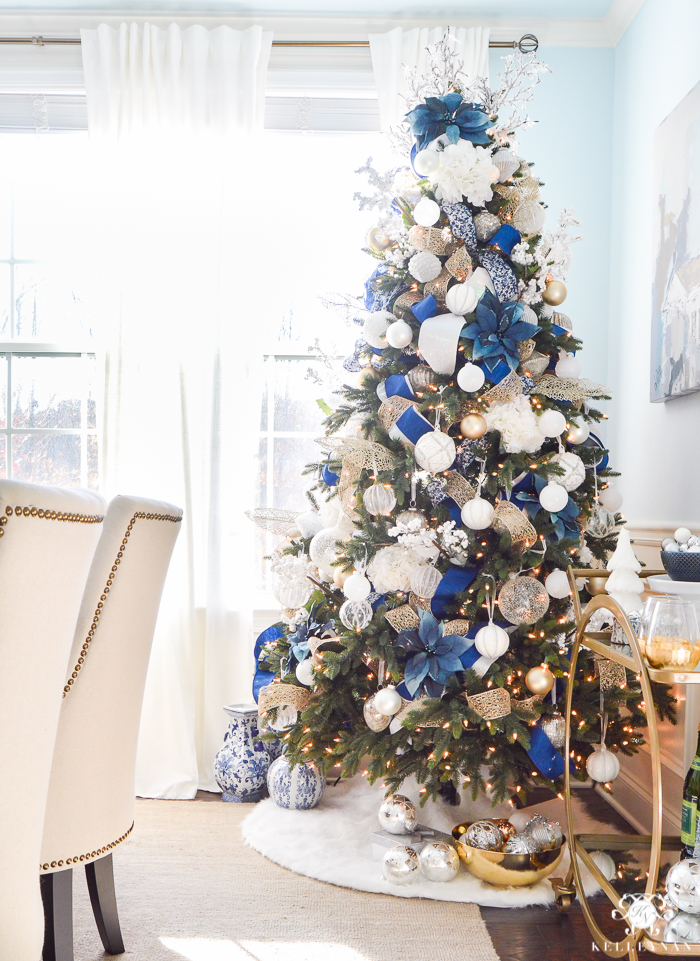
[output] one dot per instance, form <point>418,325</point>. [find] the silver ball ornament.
<point>373,718</point>
<point>600,522</point>
<point>323,548</point>
<point>397,814</point>
<point>420,377</point>
<point>548,834</point>
<point>683,929</point>
<point>425,581</point>
<point>484,835</point>
<point>355,615</point>
<point>379,499</point>
<point>523,600</point>
<point>683,885</point>
<point>400,865</point>
<point>554,726</point>
<point>411,516</point>
<point>521,844</point>
<point>486,225</point>
<point>438,861</point>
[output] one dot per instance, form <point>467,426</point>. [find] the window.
<point>48,410</point>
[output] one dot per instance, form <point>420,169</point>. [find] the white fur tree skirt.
<point>332,843</point>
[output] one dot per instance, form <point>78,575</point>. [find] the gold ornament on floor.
<point>473,426</point>
<point>539,680</point>
<point>505,827</point>
<point>554,293</point>
<point>523,600</point>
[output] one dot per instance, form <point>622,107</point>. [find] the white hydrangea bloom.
<point>465,171</point>
<point>391,569</point>
<point>517,424</point>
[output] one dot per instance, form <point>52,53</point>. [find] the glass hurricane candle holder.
<point>672,640</point>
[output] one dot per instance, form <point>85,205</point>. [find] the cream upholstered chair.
<point>47,541</point>
<point>90,808</point>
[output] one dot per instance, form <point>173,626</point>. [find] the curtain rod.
<point>527,43</point>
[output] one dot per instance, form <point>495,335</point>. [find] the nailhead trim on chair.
<point>48,516</point>
<point>139,515</point>
<point>81,858</point>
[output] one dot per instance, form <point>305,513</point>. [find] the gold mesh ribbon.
<point>611,673</point>
<point>406,301</point>
<point>569,388</point>
<point>432,239</point>
<point>416,705</point>
<point>458,488</point>
<point>391,410</point>
<point>403,618</point>
<point>536,365</point>
<point>438,287</point>
<point>357,455</point>
<point>522,190</point>
<point>317,644</point>
<point>491,704</point>
<point>275,521</point>
<point>562,320</point>
<point>508,517</point>
<point>507,390</point>
<point>525,349</point>
<point>459,264</point>
<point>275,695</point>
<point>419,602</point>
<point>457,626</point>
<point>527,708</point>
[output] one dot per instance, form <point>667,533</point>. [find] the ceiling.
<point>464,9</point>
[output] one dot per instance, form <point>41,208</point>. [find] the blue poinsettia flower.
<point>299,640</point>
<point>449,115</point>
<point>497,331</point>
<point>432,657</point>
<point>527,494</point>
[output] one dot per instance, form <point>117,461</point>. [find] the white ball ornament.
<point>506,162</point>
<point>357,587</point>
<point>683,885</point>
<point>682,535</point>
<point>426,212</point>
<point>602,765</point>
<point>375,327</point>
<point>477,514</point>
<point>461,298</point>
<point>471,377</point>
<point>554,497</point>
<point>399,334</point>
<point>309,523</point>
<point>578,435</point>
<point>305,672</point>
<point>379,499</point>
<point>568,367</point>
<point>604,863</point>
<point>435,451</point>
<point>425,581</point>
<point>426,162</point>
<point>355,615</point>
<point>557,584</point>
<point>387,701</point>
<point>551,423</point>
<point>424,267</point>
<point>492,641</point>
<point>611,499</point>
<point>323,548</point>
<point>574,470</point>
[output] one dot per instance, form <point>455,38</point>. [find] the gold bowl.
<point>509,870</point>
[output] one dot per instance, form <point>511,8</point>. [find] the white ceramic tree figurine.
<point>624,585</point>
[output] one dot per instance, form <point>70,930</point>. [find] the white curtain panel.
<point>176,249</point>
<point>399,50</point>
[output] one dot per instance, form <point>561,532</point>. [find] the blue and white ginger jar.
<point>241,766</point>
<point>297,788</point>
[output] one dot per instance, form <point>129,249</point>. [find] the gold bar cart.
<point>580,845</point>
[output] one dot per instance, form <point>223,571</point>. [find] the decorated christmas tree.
<point>427,612</point>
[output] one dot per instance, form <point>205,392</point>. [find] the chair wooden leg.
<point>100,880</point>
<point>57,895</point>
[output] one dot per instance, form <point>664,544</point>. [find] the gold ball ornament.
<point>378,240</point>
<point>473,426</point>
<point>458,830</point>
<point>506,828</point>
<point>554,293</point>
<point>368,378</point>
<point>539,680</point>
<point>340,576</point>
<point>596,585</point>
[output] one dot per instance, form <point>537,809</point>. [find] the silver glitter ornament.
<point>420,377</point>
<point>601,522</point>
<point>521,844</point>
<point>483,835</point>
<point>683,929</point>
<point>410,517</point>
<point>554,726</point>
<point>548,834</point>
<point>355,615</point>
<point>486,225</point>
<point>683,885</point>
<point>375,721</point>
<point>397,814</point>
<point>400,865</point>
<point>523,600</point>
<point>438,861</point>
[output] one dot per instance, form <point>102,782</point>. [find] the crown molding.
<point>620,15</point>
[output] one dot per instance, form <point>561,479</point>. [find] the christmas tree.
<point>427,612</point>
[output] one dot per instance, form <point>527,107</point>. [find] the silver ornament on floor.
<point>683,929</point>
<point>521,844</point>
<point>554,726</point>
<point>683,885</point>
<point>438,861</point>
<point>484,835</point>
<point>548,834</point>
<point>400,865</point>
<point>397,814</point>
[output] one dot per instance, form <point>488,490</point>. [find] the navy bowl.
<point>681,565</point>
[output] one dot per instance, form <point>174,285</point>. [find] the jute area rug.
<point>188,887</point>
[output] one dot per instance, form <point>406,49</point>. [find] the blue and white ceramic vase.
<point>241,766</point>
<point>297,788</point>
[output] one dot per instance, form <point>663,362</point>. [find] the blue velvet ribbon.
<point>544,755</point>
<point>412,425</point>
<point>329,476</point>
<point>425,308</point>
<point>396,386</point>
<point>497,373</point>
<point>595,441</point>
<point>454,581</point>
<point>505,238</point>
<point>263,678</point>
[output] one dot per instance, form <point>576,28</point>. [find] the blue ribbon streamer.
<point>425,309</point>
<point>544,755</point>
<point>498,373</point>
<point>413,425</point>
<point>263,678</point>
<point>505,238</point>
<point>454,581</point>
<point>329,476</point>
<point>397,386</point>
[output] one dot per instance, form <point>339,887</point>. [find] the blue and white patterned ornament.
<point>528,383</point>
<point>241,766</point>
<point>504,280</point>
<point>466,453</point>
<point>462,225</point>
<point>296,788</point>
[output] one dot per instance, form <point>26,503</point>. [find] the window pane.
<point>5,299</point>
<point>46,391</point>
<point>46,459</point>
<point>3,457</point>
<point>5,219</point>
<point>89,368</point>
<point>46,306</point>
<point>261,486</point>
<point>3,391</point>
<point>291,456</point>
<point>295,397</point>
<point>264,399</point>
<point>92,463</point>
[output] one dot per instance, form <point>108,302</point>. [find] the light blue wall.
<point>656,446</point>
<point>571,146</point>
